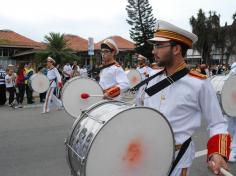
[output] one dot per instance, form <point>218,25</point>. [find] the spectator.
<point>83,72</point>
<point>29,92</point>
<point>2,86</point>
<point>75,71</point>
<point>67,71</point>
<point>10,86</point>
<point>20,86</point>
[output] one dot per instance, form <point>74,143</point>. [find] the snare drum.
<point>228,96</point>
<point>39,82</point>
<point>134,78</point>
<point>114,139</point>
<point>218,82</point>
<point>72,91</point>
<point>224,85</point>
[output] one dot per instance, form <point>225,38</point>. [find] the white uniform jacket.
<point>54,76</point>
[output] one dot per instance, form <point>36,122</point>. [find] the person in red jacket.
<point>20,86</point>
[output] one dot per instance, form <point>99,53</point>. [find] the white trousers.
<point>50,100</point>
<point>185,161</point>
<point>178,171</point>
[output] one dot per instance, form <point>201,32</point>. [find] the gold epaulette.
<point>118,65</point>
<point>197,74</point>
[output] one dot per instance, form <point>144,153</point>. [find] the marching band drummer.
<point>185,96</point>
<point>113,79</point>
<point>55,80</point>
<point>144,71</point>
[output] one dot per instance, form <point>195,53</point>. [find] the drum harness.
<point>158,87</point>
<point>106,66</point>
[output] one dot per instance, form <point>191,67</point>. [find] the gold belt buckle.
<point>177,147</point>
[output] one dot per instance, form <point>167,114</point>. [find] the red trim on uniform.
<point>219,144</point>
<point>113,92</point>
<point>47,97</point>
<point>197,75</point>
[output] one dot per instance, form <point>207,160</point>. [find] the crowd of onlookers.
<point>212,70</point>
<point>15,81</point>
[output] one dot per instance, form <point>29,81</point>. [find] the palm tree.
<point>56,47</point>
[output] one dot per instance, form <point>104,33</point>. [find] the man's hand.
<point>146,74</point>
<point>106,96</point>
<point>216,162</point>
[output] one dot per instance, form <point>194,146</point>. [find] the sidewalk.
<point>25,105</point>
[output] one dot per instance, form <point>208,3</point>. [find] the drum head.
<point>228,96</point>
<point>72,91</point>
<point>218,82</point>
<point>39,83</point>
<point>134,77</point>
<point>132,143</point>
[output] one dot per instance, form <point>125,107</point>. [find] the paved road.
<point>32,144</point>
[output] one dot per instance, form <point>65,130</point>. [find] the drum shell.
<point>87,129</point>
<point>95,127</point>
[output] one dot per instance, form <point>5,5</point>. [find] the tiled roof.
<point>122,43</point>
<point>13,39</point>
<point>76,43</point>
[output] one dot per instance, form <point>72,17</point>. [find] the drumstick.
<point>223,171</point>
<point>86,95</point>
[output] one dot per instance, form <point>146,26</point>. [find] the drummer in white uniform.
<point>144,71</point>
<point>186,99</point>
<point>113,79</point>
<point>55,80</point>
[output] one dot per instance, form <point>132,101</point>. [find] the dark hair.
<point>21,67</point>
<point>105,46</point>
<point>184,47</point>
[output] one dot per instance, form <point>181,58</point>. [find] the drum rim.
<point>39,74</point>
<point>130,108</point>
<point>221,96</point>
<point>66,85</point>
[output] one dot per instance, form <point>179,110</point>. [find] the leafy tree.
<point>56,47</point>
<point>208,31</point>
<point>142,23</point>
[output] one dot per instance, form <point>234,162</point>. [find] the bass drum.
<point>114,139</point>
<point>72,91</point>
<point>134,78</point>
<point>228,96</point>
<point>39,83</point>
<point>224,85</point>
<point>218,82</point>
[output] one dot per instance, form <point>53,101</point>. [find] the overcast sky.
<point>97,18</point>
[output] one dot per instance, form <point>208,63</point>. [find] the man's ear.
<point>177,50</point>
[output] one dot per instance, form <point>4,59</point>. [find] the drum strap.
<point>51,81</point>
<point>166,82</point>
<point>105,66</point>
<point>135,88</point>
<point>182,150</point>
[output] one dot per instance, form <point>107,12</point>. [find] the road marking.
<point>200,153</point>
